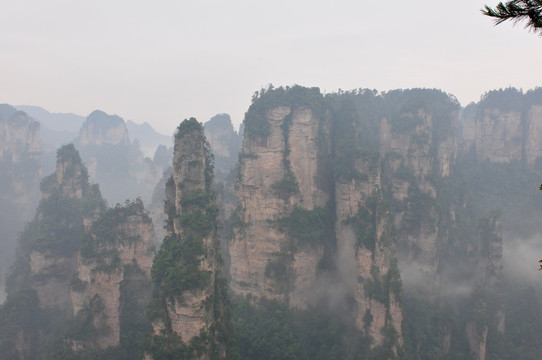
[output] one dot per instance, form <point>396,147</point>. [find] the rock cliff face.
<point>19,180</point>
<point>505,126</point>
<point>486,305</point>
<point>102,129</point>
<point>84,266</point>
<point>271,185</point>
<point>187,307</point>
<point>311,226</point>
<point>358,196</point>
<point>114,162</point>
<point>112,269</point>
<point>225,143</point>
<point>416,155</point>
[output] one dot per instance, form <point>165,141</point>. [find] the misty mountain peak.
<point>71,177</point>
<point>100,128</point>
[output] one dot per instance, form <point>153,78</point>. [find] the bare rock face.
<point>115,162</point>
<point>415,155</point>
<point>488,281</point>
<point>505,126</point>
<point>100,128</point>
<point>52,259</point>
<point>499,136</point>
<point>278,174</point>
<point>87,268</point>
<point>225,143</point>
<point>19,180</point>
<point>310,195</point>
<point>71,178</point>
<point>187,306</point>
<point>533,147</point>
<point>116,253</point>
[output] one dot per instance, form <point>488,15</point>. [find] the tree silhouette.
<point>518,10</point>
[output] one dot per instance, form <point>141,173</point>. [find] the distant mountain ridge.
<point>61,128</point>
<point>55,121</point>
<point>148,138</point>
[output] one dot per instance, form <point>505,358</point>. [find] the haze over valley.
<point>289,180</point>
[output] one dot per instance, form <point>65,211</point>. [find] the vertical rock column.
<point>187,306</point>
<point>365,252</point>
<point>280,175</point>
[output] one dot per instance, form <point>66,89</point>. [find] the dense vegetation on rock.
<point>57,306</point>
<point>364,225</point>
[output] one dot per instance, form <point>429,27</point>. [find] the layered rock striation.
<point>82,270</point>
<point>19,180</point>
<point>311,227</point>
<point>187,308</point>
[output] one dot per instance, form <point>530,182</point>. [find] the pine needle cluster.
<point>518,10</point>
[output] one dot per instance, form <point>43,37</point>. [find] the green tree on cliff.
<point>518,10</point>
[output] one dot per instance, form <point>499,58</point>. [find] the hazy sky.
<point>162,61</point>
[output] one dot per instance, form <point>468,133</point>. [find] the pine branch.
<point>517,11</point>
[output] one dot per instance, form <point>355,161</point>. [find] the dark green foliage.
<point>256,122</point>
<point>509,187</point>
<point>380,287</point>
<point>82,327</point>
<point>419,205</point>
<point>521,339</point>
<point>236,221</point>
<point>20,312</point>
<point>529,11</point>
<point>105,234</point>
<point>279,269</point>
<point>368,107</point>
<point>347,148</point>
<point>198,199</point>
<point>365,222</point>
<point>68,153</point>
<point>93,202</point>
<point>60,227</point>
<point>441,106</point>
<point>406,121</point>
<point>270,330</point>
<point>199,222</point>
<point>134,324</point>
<point>77,284</point>
<point>426,325</point>
<point>308,227</point>
<point>405,174</point>
<point>509,99</point>
<point>176,269</point>
<point>187,126</point>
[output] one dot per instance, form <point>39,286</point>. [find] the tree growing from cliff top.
<point>518,10</point>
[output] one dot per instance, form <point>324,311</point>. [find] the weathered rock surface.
<point>189,295</point>
<point>265,199</point>
<point>291,174</point>
<point>116,163</point>
<point>118,245</point>
<point>19,180</point>
<point>83,264</point>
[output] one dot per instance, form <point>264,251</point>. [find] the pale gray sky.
<point>162,61</point>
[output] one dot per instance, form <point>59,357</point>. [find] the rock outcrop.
<point>225,144</point>
<point>418,148</point>
<point>505,126</point>
<point>116,163</point>
<point>311,226</point>
<point>269,190</point>
<point>19,180</point>
<point>82,270</point>
<point>189,296</point>
<point>112,273</point>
